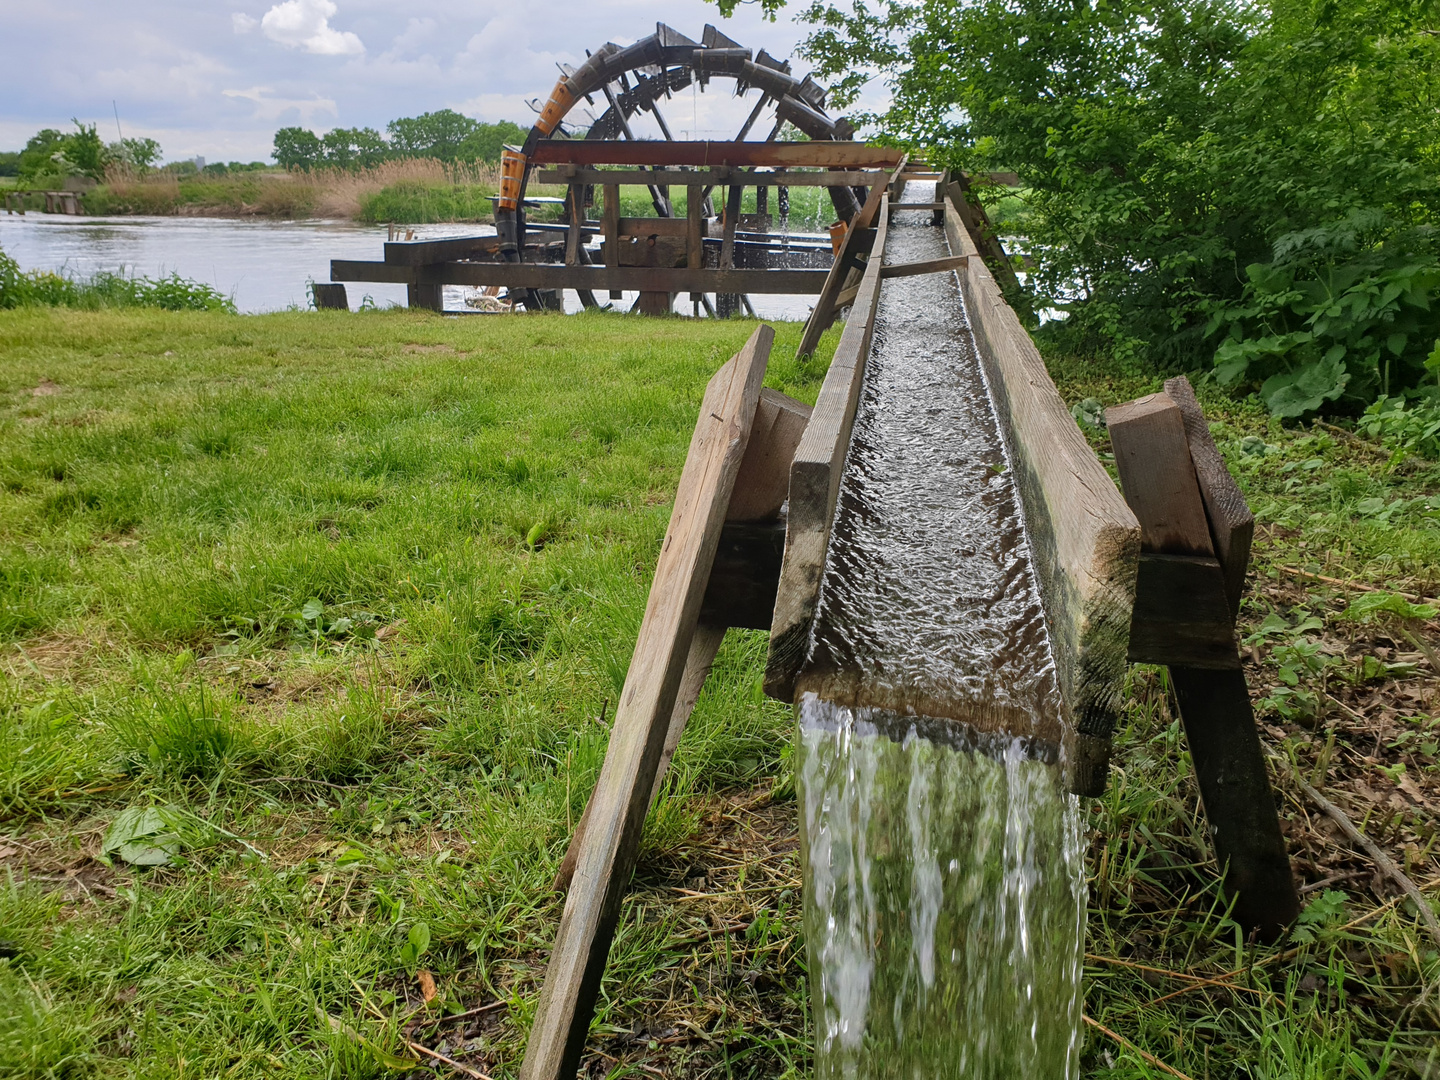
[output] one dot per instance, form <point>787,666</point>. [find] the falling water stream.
<point>944,879</point>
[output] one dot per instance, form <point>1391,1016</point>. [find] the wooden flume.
<point>1154,576</point>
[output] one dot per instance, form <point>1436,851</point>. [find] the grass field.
<point>325,612</point>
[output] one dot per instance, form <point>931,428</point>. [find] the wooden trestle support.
<point>1154,577</point>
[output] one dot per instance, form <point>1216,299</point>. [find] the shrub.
<point>42,288</point>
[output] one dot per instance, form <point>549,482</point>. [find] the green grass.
<point>344,597</point>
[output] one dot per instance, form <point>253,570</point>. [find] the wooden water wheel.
<point>631,82</point>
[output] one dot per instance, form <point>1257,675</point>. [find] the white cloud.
<point>243,23</point>
<point>305,24</point>
<point>270,107</point>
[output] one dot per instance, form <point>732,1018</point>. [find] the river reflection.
<point>263,265</point>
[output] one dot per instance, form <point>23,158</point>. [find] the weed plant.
<point>105,289</point>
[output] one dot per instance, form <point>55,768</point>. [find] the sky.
<point>216,79</point>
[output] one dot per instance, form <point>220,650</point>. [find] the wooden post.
<point>1156,461</point>
<point>574,203</point>
<point>611,840</point>
<point>426,296</point>
<point>694,231</point>
<point>611,231</point>
<point>727,304</point>
<point>328,297</point>
<point>823,313</point>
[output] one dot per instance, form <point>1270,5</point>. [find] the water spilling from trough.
<point>944,877</point>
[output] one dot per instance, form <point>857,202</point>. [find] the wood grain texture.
<point>826,304</point>
<point>606,855</point>
<point>701,658</point>
<point>926,266</point>
<point>1152,456</point>
<point>1181,616</point>
<point>1232,525</point>
<point>1085,540</point>
<point>815,484</point>
<point>1219,724</point>
<point>764,480</point>
<point>815,154</point>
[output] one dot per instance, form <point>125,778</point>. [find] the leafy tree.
<point>434,134</point>
<point>139,153</point>
<point>353,148</point>
<point>38,157</point>
<point>297,148</point>
<point>9,162</point>
<point>1200,176</point>
<point>487,140</point>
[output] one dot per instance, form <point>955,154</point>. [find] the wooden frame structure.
<point>658,257</point>
<point>1154,576</point>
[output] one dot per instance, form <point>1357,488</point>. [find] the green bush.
<point>1205,181</point>
<point>42,288</point>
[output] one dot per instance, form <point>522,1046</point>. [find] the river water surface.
<point>262,265</point>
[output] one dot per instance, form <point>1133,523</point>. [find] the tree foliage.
<point>1253,185</point>
<point>445,134</point>
<point>51,152</point>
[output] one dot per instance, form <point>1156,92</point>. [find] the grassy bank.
<point>343,599</point>
<point>405,192</point>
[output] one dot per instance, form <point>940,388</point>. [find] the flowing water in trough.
<point>943,860</point>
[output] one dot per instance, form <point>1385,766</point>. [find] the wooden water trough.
<point>1154,576</point>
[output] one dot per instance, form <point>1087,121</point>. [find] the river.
<point>262,265</point>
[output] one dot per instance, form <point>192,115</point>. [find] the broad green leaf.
<point>142,836</point>
<point>1298,392</point>
<point>312,610</point>
<point>1377,603</point>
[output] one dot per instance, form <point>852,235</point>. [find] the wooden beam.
<point>428,296</point>
<point>815,484</point>
<point>1085,541</point>
<point>694,227</point>
<point>642,716</point>
<point>652,226</point>
<point>918,206</point>
<point>823,314</point>
<point>559,276</point>
<point>1180,615</point>
<point>574,199</point>
<point>707,154</point>
<point>927,266</point>
<point>1219,722</point>
<point>1232,525</point>
<point>1184,619</point>
<point>1152,457</point>
<point>447,249</point>
<point>610,230</point>
<point>711,177</point>
<point>745,573</point>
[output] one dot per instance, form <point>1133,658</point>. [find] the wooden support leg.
<point>611,231</point>
<point>621,800</point>
<point>426,296</point>
<point>703,649</point>
<point>1219,725</point>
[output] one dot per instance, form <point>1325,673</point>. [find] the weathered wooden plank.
<point>710,177</point>
<point>559,276</point>
<point>1152,456</point>
<point>444,249</point>
<point>823,314</point>
<point>703,647</point>
<point>1180,614</point>
<point>815,484</point>
<point>1085,540</point>
<point>983,236</point>
<point>610,230</point>
<point>1219,724</point>
<point>423,295</point>
<point>694,227</point>
<point>746,575</point>
<point>652,226</point>
<point>918,206</point>
<point>764,480</point>
<point>1232,525</point>
<point>622,795</point>
<point>926,266</point>
<point>707,154</point>
<point>330,297</point>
